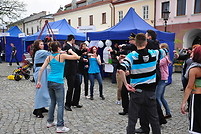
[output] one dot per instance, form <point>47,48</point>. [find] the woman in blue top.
<point>94,72</point>
<point>56,84</point>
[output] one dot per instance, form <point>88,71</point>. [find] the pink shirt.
<point>164,63</point>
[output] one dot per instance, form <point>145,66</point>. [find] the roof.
<point>14,31</point>
<point>63,28</point>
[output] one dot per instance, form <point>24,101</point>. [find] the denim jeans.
<point>56,92</point>
<point>99,79</point>
<point>160,90</point>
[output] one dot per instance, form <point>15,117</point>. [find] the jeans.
<point>11,59</point>
<point>160,90</point>
<point>56,92</point>
<point>92,78</point>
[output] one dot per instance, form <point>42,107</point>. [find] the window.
<point>120,15</point>
<point>38,28</point>
<point>103,18</point>
<point>27,31</point>
<point>69,21</point>
<point>197,6</point>
<point>165,7</point>
<point>145,12</point>
<point>181,7</point>
<point>79,21</point>
<point>31,30</point>
<point>91,20</point>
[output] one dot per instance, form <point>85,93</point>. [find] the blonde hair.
<point>164,45</point>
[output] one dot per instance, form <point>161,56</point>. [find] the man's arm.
<point>123,77</point>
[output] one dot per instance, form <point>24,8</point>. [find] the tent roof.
<point>64,29</point>
<point>131,23</point>
<point>14,31</point>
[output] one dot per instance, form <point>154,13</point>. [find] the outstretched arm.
<point>73,55</point>
<point>38,84</point>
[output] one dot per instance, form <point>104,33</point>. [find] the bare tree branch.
<point>10,10</point>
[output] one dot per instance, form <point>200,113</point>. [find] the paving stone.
<point>95,117</point>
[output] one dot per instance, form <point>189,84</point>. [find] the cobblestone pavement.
<point>96,117</point>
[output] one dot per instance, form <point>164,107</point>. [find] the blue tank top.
<point>57,70</point>
<point>93,66</point>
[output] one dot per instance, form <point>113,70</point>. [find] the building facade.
<point>144,8</point>
<point>104,14</point>
<point>184,20</point>
<point>33,23</point>
<point>87,13</point>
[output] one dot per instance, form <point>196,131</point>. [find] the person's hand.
<point>110,50</point>
<point>70,51</point>
<point>62,52</point>
<point>85,60</point>
<point>183,108</point>
<point>86,66</point>
<point>38,85</point>
<point>130,88</point>
<point>95,55</point>
<point>127,73</point>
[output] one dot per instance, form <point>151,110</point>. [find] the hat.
<point>132,36</point>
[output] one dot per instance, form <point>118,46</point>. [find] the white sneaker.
<point>87,97</point>
<point>118,102</point>
<point>51,124</point>
<point>62,129</point>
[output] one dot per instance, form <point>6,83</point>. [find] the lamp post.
<point>166,17</point>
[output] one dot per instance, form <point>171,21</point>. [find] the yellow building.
<point>104,14</point>
<point>144,8</point>
<point>87,13</point>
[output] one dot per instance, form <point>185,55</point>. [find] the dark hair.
<point>70,37</point>
<point>140,39</point>
<point>91,49</point>
<point>54,45</point>
<point>152,34</point>
<point>82,44</point>
<point>36,47</point>
<point>197,54</point>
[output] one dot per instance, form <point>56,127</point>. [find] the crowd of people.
<point>140,71</point>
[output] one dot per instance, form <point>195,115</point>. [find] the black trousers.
<point>125,96</point>
<point>74,89</point>
<point>146,101</point>
<point>144,122</point>
<point>86,81</point>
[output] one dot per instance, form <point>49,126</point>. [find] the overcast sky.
<point>36,6</point>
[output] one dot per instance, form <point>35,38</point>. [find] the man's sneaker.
<point>62,129</point>
<point>51,124</point>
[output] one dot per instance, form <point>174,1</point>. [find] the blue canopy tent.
<point>12,38</point>
<point>133,23</point>
<point>63,28</point>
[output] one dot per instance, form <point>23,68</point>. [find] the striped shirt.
<point>142,67</point>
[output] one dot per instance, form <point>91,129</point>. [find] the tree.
<point>10,10</point>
